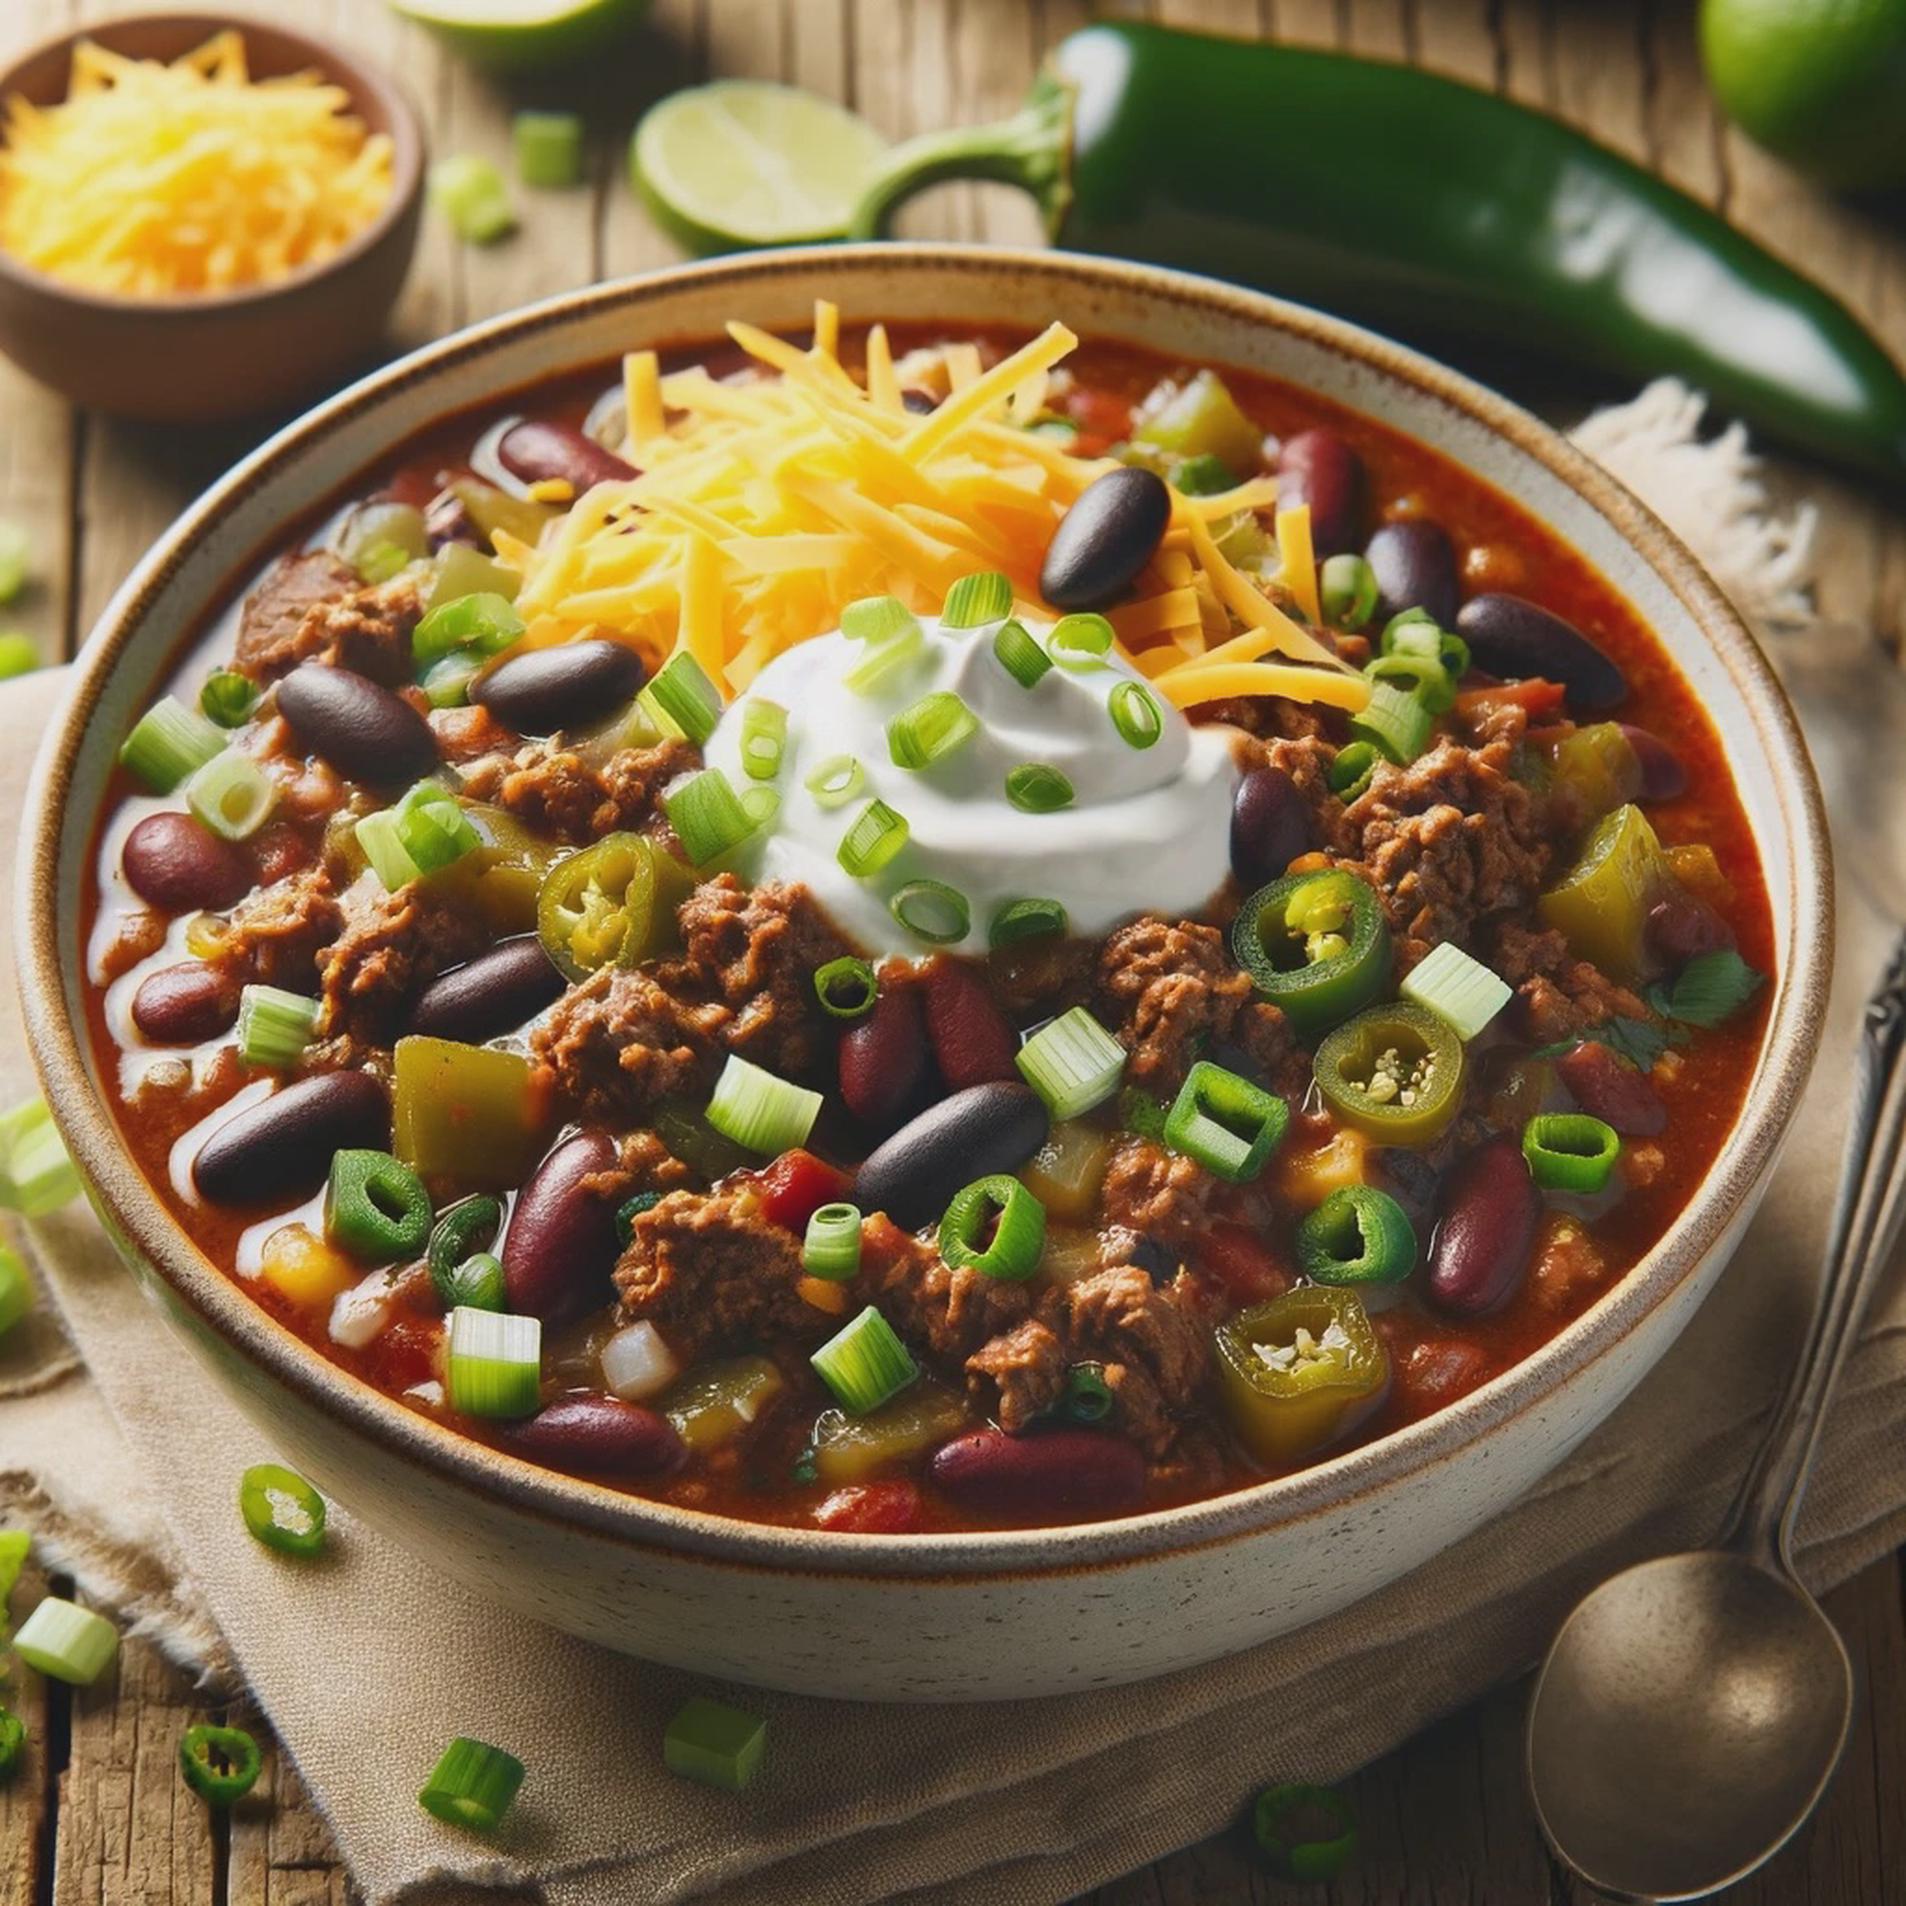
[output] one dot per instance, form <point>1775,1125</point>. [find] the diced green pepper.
<point>469,1114</point>
<point>503,876</point>
<point>1597,768</point>
<point>491,509</point>
<point>1300,1372</point>
<point>715,1404</point>
<point>851,1448</point>
<point>1395,1072</point>
<point>1200,418</point>
<point>1601,904</point>
<point>1316,945</point>
<point>612,904</point>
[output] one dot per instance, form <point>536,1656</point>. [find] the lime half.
<point>744,163</point>
<point>515,35</point>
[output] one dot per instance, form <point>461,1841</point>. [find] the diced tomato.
<point>1243,1263</point>
<point>1538,698</point>
<point>1101,417</point>
<point>796,1185</point>
<point>1433,1373</point>
<point>893,1507</point>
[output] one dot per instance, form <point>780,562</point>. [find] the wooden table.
<point>1445,1818</point>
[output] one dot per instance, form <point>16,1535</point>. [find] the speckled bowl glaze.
<point>958,1616</point>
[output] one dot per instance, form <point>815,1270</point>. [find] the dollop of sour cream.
<point>1148,829</point>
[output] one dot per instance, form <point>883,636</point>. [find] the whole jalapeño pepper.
<point>1300,1372</point>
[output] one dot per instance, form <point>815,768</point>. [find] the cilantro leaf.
<point>1710,988</point>
<point>1640,1041</point>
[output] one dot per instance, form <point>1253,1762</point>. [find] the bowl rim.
<point>333,62</point>
<point>135,1216</point>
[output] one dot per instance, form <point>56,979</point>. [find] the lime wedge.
<point>744,163</point>
<point>514,35</point>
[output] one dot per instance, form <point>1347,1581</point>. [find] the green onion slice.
<point>933,728</point>
<point>1394,721</point>
<point>864,1364</point>
<point>878,619</point>
<point>1353,769</point>
<point>1569,1151</point>
<point>1087,1397</point>
<point>19,654</point>
<point>1015,1218</point>
<point>469,192</point>
<point>227,698</point>
<point>1073,1063</point>
<point>12,1740</point>
<point>1358,1235</point>
<point>16,1299</point>
<point>168,743</point>
<point>484,622</point>
<point>1347,589</point>
<point>66,1642</point>
<point>16,556</point>
<point>764,738</point>
<point>232,795</point>
<point>885,660</point>
<point>760,1112</point>
<point>976,600</point>
<point>15,1545</point>
<point>717,1745</point>
<point>275,1027</point>
<point>831,1248</point>
<point>932,911</point>
<point>836,781</point>
<point>761,805</point>
<point>1080,642</point>
<point>1420,675</point>
<point>707,816</point>
<point>1304,1833</point>
<point>1019,655</point>
<point>686,701</point>
<point>1136,714</point>
<point>877,835</point>
<point>36,1175</point>
<point>281,1509</point>
<point>495,1363</point>
<point>1457,988</point>
<point>846,988</point>
<point>220,1764</point>
<point>472,1785</point>
<point>1029,919</point>
<point>548,149</point>
<point>459,1237</point>
<point>1224,1122</point>
<point>446,683</point>
<point>1036,788</point>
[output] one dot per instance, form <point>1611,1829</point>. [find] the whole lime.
<point>1819,83</point>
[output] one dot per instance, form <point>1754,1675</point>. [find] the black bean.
<point>495,993</point>
<point>571,685</point>
<point>362,730</point>
<point>177,864</point>
<point>1516,639</point>
<point>1415,568</point>
<point>1105,539</point>
<point>1317,467</point>
<point>1271,824</point>
<point>282,1147</point>
<point>985,1129</point>
<point>561,1244</point>
<point>536,451</point>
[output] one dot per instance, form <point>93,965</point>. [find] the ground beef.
<point>1158,1194</point>
<point>1153,1340</point>
<point>947,1312</point>
<point>709,1271</point>
<point>277,932</point>
<point>619,1042</point>
<point>643,1163</point>
<point>392,945</point>
<point>558,791</point>
<point>271,623</point>
<point>1305,761</point>
<point>1269,716</point>
<point>311,605</point>
<point>1558,997</point>
<point>1018,1376</point>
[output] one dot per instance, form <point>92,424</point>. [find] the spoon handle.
<point>1867,1213</point>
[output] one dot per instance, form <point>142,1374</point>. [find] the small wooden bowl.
<point>225,354</point>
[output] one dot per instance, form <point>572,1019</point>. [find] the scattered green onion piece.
<point>932,911</point>
<point>1087,1397</point>
<point>1394,721</point>
<point>472,1785</point>
<point>878,833</point>
<point>168,743</point>
<point>424,832</point>
<point>12,1741</point>
<point>274,1026</point>
<point>864,1364</point>
<point>1036,788</point>
<point>1029,919</point>
<point>1347,591</point>
<point>1073,1063</point>
<point>1457,988</point>
<point>1305,1833</point>
<point>1203,475</point>
<point>220,1764</point>
<point>281,1509</point>
<point>1019,655</point>
<point>1227,1124</point>
<point>19,654</point>
<point>1420,675</point>
<point>228,698</point>
<point>548,149</point>
<point>846,988</point>
<point>16,1299</point>
<point>761,805</point>
<point>446,683</point>
<point>495,1363</point>
<point>380,561</point>
<point>1358,1235</point>
<point>469,192</point>
<point>461,1235</point>
<point>1413,633</point>
<point>1136,714</point>
<point>16,552</point>
<point>877,619</point>
<point>631,1209</point>
<point>1080,642</point>
<point>66,1642</point>
<point>974,601</point>
<point>375,1207</point>
<point>1569,1151</point>
<point>1393,628</point>
<point>463,570</point>
<point>688,702</point>
<point>484,622</point>
<point>36,1175</point>
<point>232,795</point>
<point>760,1112</point>
<point>15,1545</point>
<point>930,730</point>
<point>717,1745</point>
<point>884,660</point>
<point>707,816</point>
<point>478,1283</point>
<point>1016,1219</point>
<point>836,781</point>
<point>1353,769</point>
<point>1054,429</point>
<point>831,1248</point>
<point>764,738</point>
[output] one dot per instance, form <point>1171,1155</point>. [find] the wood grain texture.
<point>98,1817</point>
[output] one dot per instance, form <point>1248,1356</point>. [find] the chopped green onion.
<point>687,701</point>
<point>1305,1833</point>
<point>1394,721</point>
<point>1136,714</point>
<point>932,911</point>
<point>16,552</point>
<point>423,833</point>
<point>228,698</point>
<point>1358,1235</point>
<point>878,833</point>
<point>1036,788</point>
<point>877,619</point>
<point>761,805</point>
<point>375,1207</point>
<point>66,1642</point>
<point>1457,988</point>
<point>846,988</point>
<point>1413,633</point>
<point>717,1745</point>
<point>836,781</point>
<point>12,1741</point>
<point>36,1175</point>
<point>707,816</point>
<point>831,1248</point>
<point>220,1764</point>
<point>1019,655</point>
<point>460,1237</point>
<point>495,1363</point>
<point>463,570</point>
<point>1080,642</point>
<point>446,683</point>
<point>1015,1219</point>
<point>381,561</point>
<point>1087,1397</point>
<point>232,795</point>
<point>281,1509</point>
<point>1227,1124</point>
<point>864,1364</point>
<point>548,149</point>
<point>884,660</point>
<point>760,1112</point>
<point>19,654</point>
<point>974,601</point>
<point>1353,769</point>
<point>930,730</point>
<point>274,1026</point>
<point>472,1785</point>
<point>1420,675</point>
<point>1072,1062</point>
<point>1203,475</point>
<point>764,738</point>
<point>16,1299</point>
<point>168,743</point>
<point>15,1545</point>
<point>1055,429</point>
<point>469,192</point>
<point>1569,1151</point>
<point>1347,589</point>
<point>629,1210</point>
<point>1029,919</point>
<point>380,538</point>
<point>483,621</point>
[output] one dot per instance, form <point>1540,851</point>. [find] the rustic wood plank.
<point>281,1849</point>
<point>26,1799</point>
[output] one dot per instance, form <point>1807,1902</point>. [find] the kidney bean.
<point>1271,824</point>
<point>985,1129</point>
<point>182,1005</point>
<point>278,850</point>
<point>1515,638</point>
<point>1607,1087</point>
<point>1317,467</point>
<point>892,1506</point>
<point>178,865</point>
<point>1663,775</point>
<point>1486,1233</point>
<point>883,1059</point>
<point>495,993</point>
<point>1105,539</point>
<point>602,1435</point>
<point>1681,927</point>
<point>537,451</point>
<point>362,730</point>
<point>561,1243</point>
<point>1415,569</point>
<point>282,1146</point>
<point>972,1042</point>
<point>573,685</point>
<point>1053,1475</point>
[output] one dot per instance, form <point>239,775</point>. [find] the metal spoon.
<point>1692,1709</point>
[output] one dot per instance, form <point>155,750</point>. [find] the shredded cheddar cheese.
<point>161,181</point>
<point>768,501</point>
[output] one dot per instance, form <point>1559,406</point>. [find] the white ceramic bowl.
<point>954,1616</point>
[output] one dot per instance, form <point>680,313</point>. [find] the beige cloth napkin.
<point>368,1662</point>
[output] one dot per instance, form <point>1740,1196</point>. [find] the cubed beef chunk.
<point>277,932</point>
<point>1018,1375</point>
<point>1158,1194</point>
<point>1558,996</point>
<point>949,1313</point>
<point>392,945</point>
<point>312,606</point>
<point>561,792</point>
